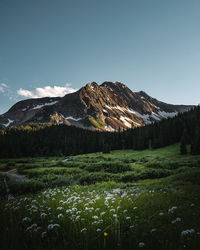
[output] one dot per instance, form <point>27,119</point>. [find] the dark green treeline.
<point>56,140</point>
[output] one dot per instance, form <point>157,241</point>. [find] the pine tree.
<point>183,145</point>
<point>195,145</point>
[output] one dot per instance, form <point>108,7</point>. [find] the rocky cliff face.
<point>107,107</point>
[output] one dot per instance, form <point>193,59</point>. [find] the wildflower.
<point>95,217</point>
<point>153,230</point>
<point>59,208</point>
<point>161,214</point>
<point>141,244</point>
<point>105,234</point>
<point>102,213</point>
<point>171,210</point>
<point>60,216</point>
<point>192,205</point>
<point>187,232</point>
<point>51,226</point>
<point>83,230</point>
<point>43,234</point>
<point>31,227</point>
<point>10,197</point>
<point>176,220</point>
<point>26,219</point>
<point>42,215</point>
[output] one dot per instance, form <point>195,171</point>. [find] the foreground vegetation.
<point>150,200</point>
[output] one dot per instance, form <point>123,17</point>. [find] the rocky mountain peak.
<point>106,107</point>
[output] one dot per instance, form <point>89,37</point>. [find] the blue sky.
<point>60,45</point>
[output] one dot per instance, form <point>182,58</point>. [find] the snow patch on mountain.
<point>43,105</point>
<point>120,108</point>
<point>126,123</point>
<point>109,128</point>
<point>167,114</point>
<point>147,118</point>
<point>72,118</point>
<point>9,122</point>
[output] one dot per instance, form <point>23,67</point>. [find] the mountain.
<point>107,107</point>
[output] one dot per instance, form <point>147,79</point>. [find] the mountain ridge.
<point>107,107</point>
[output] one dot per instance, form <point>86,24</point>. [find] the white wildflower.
<point>95,217</point>
<point>187,231</point>
<point>43,234</point>
<point>26,219</point>
<point>171,210</point>
<point>141,244</point>
<point>59,208</point>
<point>176,220</point>
<point>60,216</point>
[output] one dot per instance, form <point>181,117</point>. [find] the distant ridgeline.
<point>56,140</point>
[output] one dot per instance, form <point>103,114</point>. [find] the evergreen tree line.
<point>55,140</point>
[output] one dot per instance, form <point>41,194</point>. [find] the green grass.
<point>102,201</point>
<point>119,166</point>
<point>96,123</point>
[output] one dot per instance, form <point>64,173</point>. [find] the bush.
<point>192,176</point>
<point>3,178</point>
<point>109,167</point>
<point>25,186</point>
<point>163,165</point>
<point>95,177</point>
<point>145,174</point>
<point>63,181</point>
<point>153,165</point>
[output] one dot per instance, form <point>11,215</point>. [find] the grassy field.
<point>122,200</point>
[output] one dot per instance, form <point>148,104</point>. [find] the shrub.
<point>109,167</point>
<point>163,165</point>
<point>95,177</point>
<point>145,174</point>
<point>25,186</point>
<point>63,181</point>
<point>192,176</point>
<point>3,178</point>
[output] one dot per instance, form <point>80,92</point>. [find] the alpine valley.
<point>111,106</point>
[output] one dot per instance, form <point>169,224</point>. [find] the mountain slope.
<point>106,107</point>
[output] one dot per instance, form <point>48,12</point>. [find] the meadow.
<point>120,200</point>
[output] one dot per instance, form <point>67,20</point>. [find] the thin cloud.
<point>2,87</point>
<point>46,91</point>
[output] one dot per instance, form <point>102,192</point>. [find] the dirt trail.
<point>13,175</point>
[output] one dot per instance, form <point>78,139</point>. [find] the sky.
<point>54,47</point>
